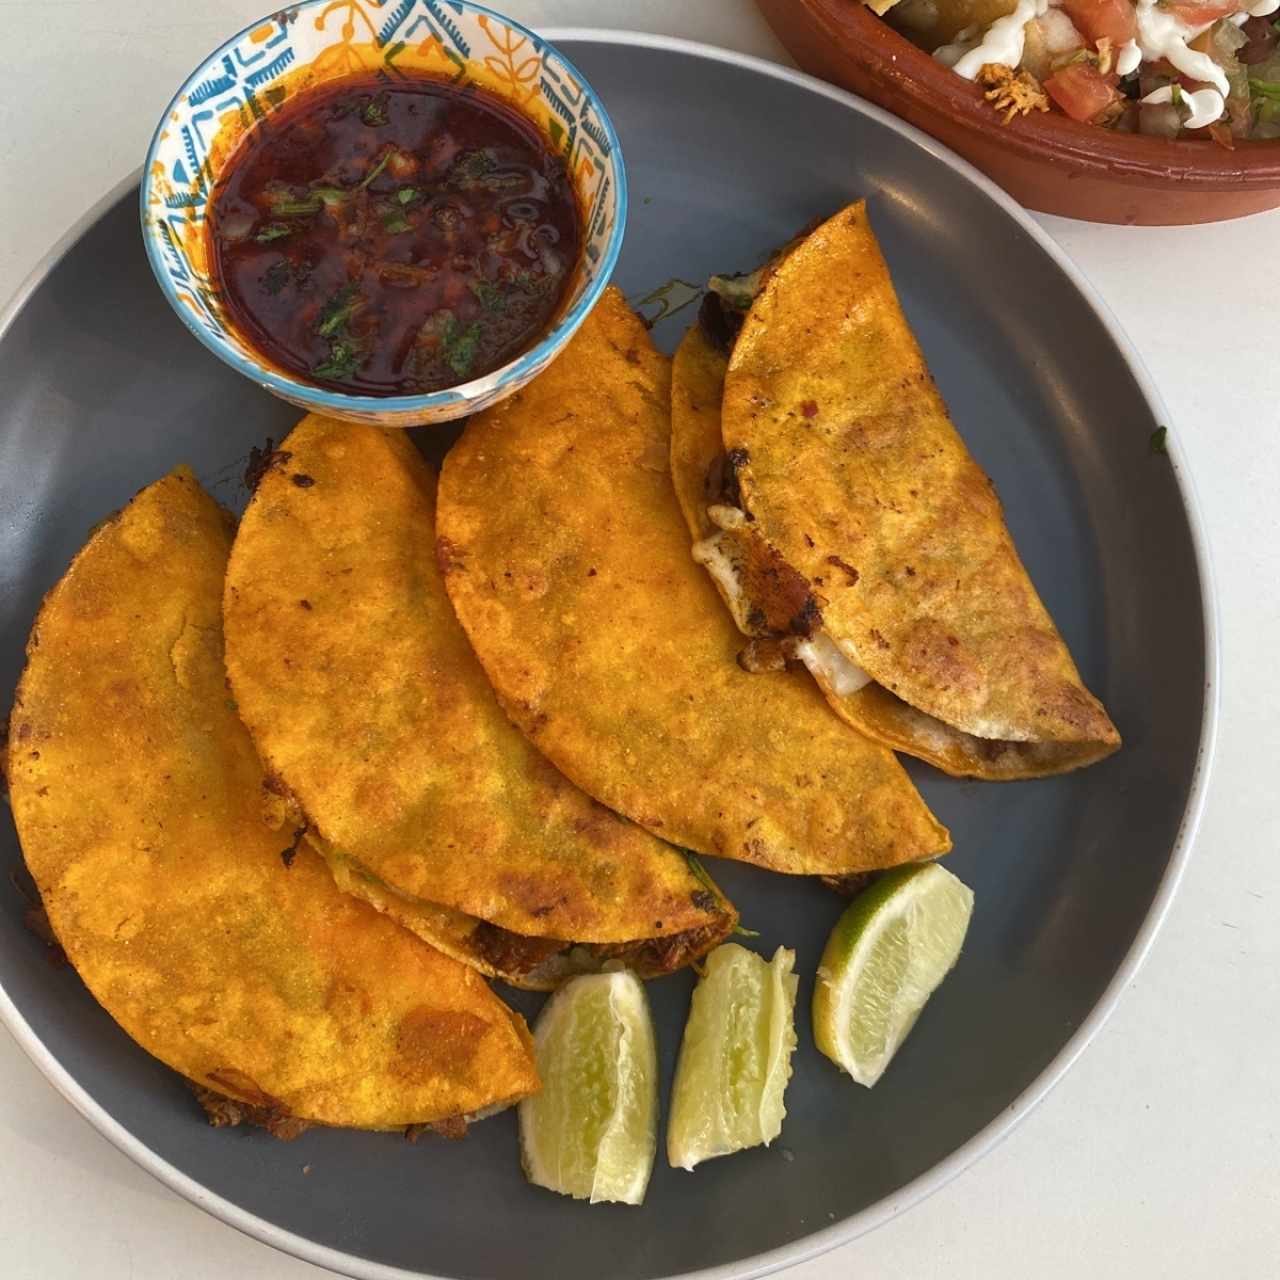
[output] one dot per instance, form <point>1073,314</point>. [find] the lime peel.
<point>886,956</point>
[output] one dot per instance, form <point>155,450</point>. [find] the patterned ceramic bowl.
<point>243,82</point>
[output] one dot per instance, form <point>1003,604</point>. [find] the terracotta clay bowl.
<point>1046,161</point>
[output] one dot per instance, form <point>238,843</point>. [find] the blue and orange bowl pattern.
<point>240,84</point>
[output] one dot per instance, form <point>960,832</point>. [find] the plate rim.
<point>996,1130</point>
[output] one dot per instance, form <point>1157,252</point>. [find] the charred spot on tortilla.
<point>850,572</point>
<point>261,461</point>
<point>302,480</point>
<point>287,855</point>
<point>807,620</point>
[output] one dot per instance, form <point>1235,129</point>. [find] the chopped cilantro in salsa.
<point>400,239</point>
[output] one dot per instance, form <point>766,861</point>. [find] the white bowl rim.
<point>517,370</point>
<point>989,1137</point>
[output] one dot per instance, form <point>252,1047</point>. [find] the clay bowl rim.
<point>904,76</point>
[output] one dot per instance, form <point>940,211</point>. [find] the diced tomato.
<point>1195,13</point>
<point>1081,91</point>
<point>1110,19</point>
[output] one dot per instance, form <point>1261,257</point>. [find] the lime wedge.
<point>591,1132</point>
<point>892,947</point>
<point>735,1058</point>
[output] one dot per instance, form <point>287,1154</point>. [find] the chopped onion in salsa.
<point>394,238</point>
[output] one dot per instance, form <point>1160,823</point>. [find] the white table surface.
<point>1159,1155</point>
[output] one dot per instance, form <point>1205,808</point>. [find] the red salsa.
<point>393,239</point>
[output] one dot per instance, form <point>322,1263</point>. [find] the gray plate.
<point>104,391</point>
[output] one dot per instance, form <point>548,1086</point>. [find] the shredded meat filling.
<point>224,1112</point>
<point>513,953</point>
<point>454,1128</point>
<point>849,885</point>
<point>656,956</point>
<point>719,323</point>
<point>721,486</point>
<point>768,653</point>
<point>519,956</point>
<point>779,597</point>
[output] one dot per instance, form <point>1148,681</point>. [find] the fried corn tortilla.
<point>567,561</point>
<point>373,715</point>
<point>765,596</point>
<point>138,800</point>
<point>919,621</point>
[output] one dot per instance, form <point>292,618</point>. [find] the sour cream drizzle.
<point>1004,41</point>
<point>1129,57</point>
<point>1206,104</point>
<point>1161,35</point>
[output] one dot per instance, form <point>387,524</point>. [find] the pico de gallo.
<point>1170,68</point>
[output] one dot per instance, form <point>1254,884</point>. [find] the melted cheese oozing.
<point>819,653</point>
<point>724,516</point>
<point>713,554</point>
<point>823,659</point>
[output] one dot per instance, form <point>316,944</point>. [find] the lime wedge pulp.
<point>886,956</point>
<point>591,1132</point>
<point>735,1058</point>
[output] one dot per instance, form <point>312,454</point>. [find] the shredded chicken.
<point>1016,93</point>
